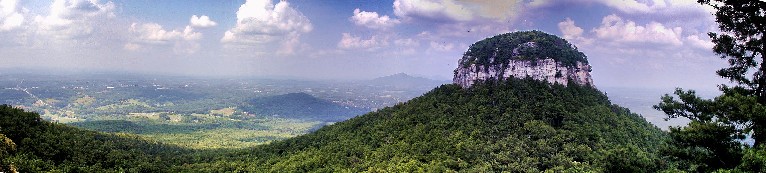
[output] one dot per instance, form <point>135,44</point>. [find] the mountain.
<point>402,80</point>
<point>484,123</point>
<point>513,124</point>
<point>534,54</point>
<point>518,125</point>
<point>301,106</point>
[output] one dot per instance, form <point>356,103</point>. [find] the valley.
<point>232,113</point>
<point>203,112</point>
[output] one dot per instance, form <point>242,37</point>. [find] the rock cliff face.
<point>522,64</point>
<point>545,69</point>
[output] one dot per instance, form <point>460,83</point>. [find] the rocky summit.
<point>533,54</point>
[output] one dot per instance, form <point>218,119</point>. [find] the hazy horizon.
<point>644,44</point>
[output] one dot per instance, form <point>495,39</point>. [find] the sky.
<point>629,43</point>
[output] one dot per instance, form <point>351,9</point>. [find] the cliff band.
<point>524,54</point>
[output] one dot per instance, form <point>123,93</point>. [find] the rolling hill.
<point>301,106</point>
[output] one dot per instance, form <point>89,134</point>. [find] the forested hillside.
<point>518,125</point>
<point>33,145</point>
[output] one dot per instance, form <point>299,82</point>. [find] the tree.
<point>7,147</point>
<point>741,42</point>
<point>741,109</point>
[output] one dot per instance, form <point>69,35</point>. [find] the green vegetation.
<point>515,125</point>
<point>193,108</point>
<point>44,146</point>
<point>713,139</point>
<point>207,132</point>
<point>523,45</point>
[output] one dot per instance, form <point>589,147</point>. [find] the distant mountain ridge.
<point>403,80</point>
<point>301,106</point>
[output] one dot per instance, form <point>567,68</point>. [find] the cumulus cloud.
<point>349,41</point>
<point>654,6</point>
<point>373,20</point>
<point>698,42</point>
<point>260,21</point>
<point>569,29</point>
<point>201,21</point>
<point>10,17</point>
<point>631,6</point>
<point>622,41</point>
<point>615,29</point>
<point>154,34</point>
<point>572,32</point>
<point>74,18</point>
<point>688,13</point>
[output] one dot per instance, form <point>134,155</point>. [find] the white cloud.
<point>201,21</point>
<point>74,18</point>
<point>696,41</point>
<point>655,6</point>
<point>184,41</point>
<point>630,6</point>
<point>349,41</point>
<point>651,52</point>
<point>569,29</point>
<point>10,18</point>
<point>615,29</point>
<point>373,20</point>
<point>572,32</point>
<point>259,21</point>
<point>154,33</point>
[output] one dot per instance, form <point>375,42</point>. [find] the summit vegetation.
<point>522,45</point>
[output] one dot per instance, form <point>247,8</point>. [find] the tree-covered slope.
<point>516,125</point>
<point>30,144</point>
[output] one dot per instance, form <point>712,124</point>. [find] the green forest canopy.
<point>529,45</point>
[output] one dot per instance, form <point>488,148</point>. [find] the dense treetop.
<point>522,45</point>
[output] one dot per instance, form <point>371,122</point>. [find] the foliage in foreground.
<point>712,141</point>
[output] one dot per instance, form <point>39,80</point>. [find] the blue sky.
<point>638,43</point>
